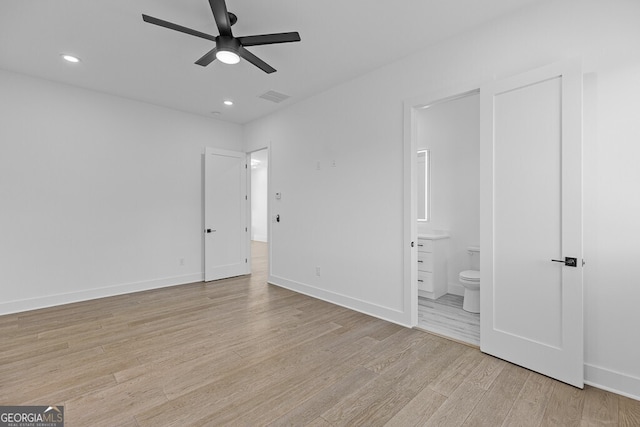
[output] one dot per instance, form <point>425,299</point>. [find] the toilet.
<point>470,279</point>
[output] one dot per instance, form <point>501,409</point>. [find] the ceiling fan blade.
<point>176,27</point>
<point>256,61</point>
<point>207,58</point>
<point>220,14</point>
<point>269,39</point>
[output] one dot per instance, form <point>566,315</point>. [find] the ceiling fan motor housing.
<point>227,43</point>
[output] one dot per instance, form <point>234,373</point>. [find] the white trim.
<point>394,316</point>
<point>410,216</point>
<point>249,222</point>
<point>269,207</point>
<point>104,292</point>
<point>615,382</point>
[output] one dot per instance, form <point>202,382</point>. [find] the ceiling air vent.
<point>274,96</point>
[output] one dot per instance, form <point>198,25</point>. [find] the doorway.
<point>449,131</point>
<point>259,212</point>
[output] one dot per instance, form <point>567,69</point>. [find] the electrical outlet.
<point>318,271</point>
<point>181,261</point>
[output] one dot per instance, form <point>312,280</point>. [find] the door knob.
<point>568,261</point>
<point>208,230</point>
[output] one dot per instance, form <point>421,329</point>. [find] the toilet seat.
<point>470,276</point>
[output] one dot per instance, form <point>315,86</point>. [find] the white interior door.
<point>226,246</point>
<point>531,212</point>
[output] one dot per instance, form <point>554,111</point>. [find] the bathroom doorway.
<point>448,129</point>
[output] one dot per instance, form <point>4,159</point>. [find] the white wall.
<point>451,131</point>
<point>345,219</point>
<point>100,195</point>
<point>259,180</point>
<point>348,219</point>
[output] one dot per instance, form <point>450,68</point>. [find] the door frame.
<point>410,189</point>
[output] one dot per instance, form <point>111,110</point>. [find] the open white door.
<point>226,252</point>
<point>531,213</point>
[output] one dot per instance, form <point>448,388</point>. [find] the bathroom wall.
<point>451,131</point>
<point>259,179</point>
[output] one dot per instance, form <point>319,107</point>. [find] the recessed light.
<point>228,103</point>
<point>70,58</point>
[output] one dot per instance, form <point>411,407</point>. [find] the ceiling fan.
<point>229,49</point>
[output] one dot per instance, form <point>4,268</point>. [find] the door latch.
<point>568,261</point>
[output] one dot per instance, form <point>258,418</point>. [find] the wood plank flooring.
<point>241,352</point>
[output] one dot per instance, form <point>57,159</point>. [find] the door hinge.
<point>246,261</point>
<point>245,197</point>
<point>245,166</point>
<point>245,229</point>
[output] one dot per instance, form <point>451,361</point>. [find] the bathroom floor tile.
<point>445,316</point>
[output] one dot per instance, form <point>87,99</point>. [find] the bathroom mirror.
<point>423,185</point>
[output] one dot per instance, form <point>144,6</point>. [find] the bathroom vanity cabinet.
<point>432,265</point>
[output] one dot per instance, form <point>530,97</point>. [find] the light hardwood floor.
<point>241,352</point>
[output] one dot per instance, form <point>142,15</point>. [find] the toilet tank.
<point>474,253</point>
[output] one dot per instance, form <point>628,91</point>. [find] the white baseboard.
<point>84,295</point>
<point>394,316</point>
<point>612,381</point>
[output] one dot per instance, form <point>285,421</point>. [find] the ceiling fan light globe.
<point>227,57</point>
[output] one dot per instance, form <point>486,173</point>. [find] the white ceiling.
<point>122,55</point>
